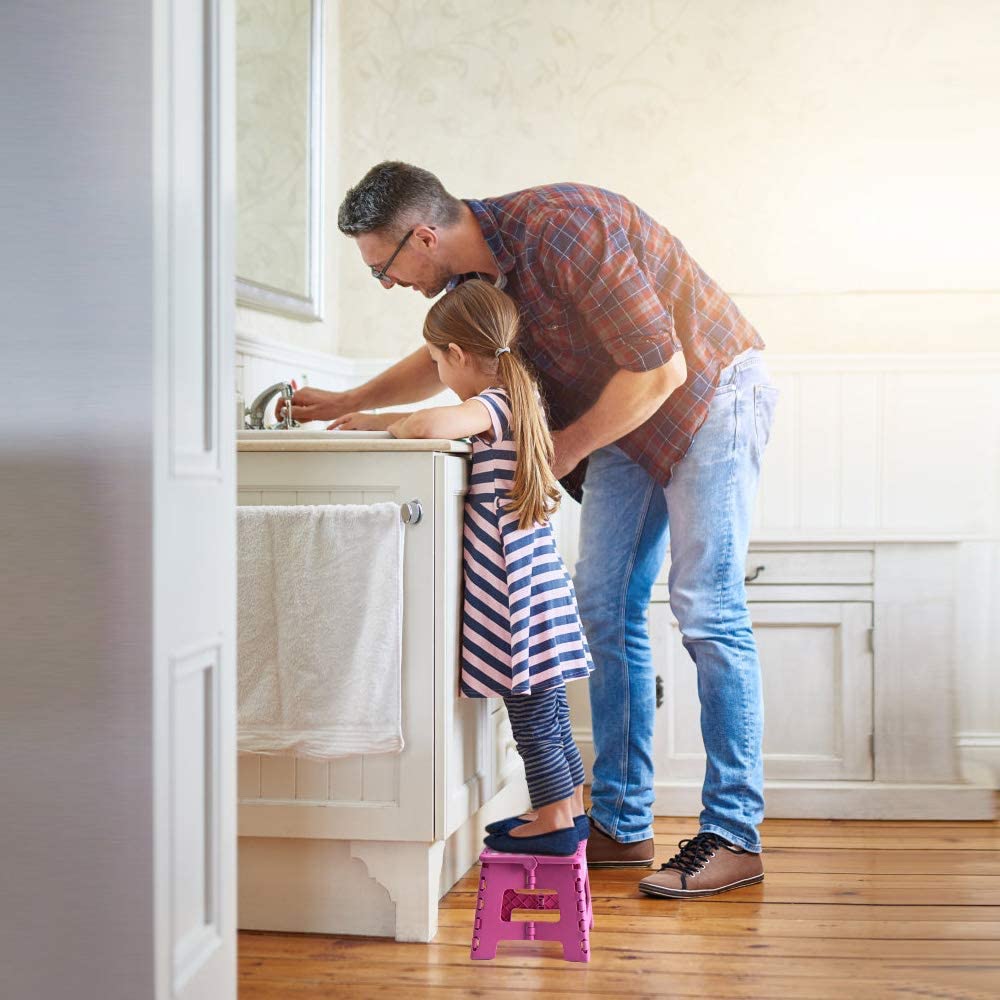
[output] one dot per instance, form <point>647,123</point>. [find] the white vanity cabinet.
<point>857,641</point>
<point>857,646</point>
<point>368,844</point>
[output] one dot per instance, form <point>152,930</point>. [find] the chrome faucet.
<point>255,413</point>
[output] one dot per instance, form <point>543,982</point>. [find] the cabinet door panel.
<point>817,674</point>
<point>365,796</point>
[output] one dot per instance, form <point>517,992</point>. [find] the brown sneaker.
<point>605,852</point>
<point>705,865</point>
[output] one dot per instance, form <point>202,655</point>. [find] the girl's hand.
<point>363,422</point>
<point>397,428</point>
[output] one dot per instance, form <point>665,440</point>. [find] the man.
<point>661,408</point>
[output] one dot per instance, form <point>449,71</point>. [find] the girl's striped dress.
<point>521,630</point>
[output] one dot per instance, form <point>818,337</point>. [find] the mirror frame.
<point>279,300</point>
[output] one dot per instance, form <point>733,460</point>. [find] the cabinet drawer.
<point>772,566</point>
<point>810,566</point>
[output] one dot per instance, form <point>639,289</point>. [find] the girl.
<point>522,637</point>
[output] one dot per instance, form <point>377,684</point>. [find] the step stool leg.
<point>573,929</point>
<point>577,949</point>
<point>484,929</point>
<point>487,927</point>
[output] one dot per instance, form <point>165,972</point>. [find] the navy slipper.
<point>581,822</point>
<point>503,825</point>
<point>558,842</point>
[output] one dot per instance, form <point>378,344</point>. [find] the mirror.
<point>279,156</point>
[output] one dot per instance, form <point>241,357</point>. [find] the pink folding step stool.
<point>509,882</point>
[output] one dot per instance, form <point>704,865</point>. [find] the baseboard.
<point>972,799</point>
<point>979,753</point>
<point>864,800</point>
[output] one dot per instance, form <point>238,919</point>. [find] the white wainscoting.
<point>886,446</point>
<point>864,448</point>
<point>260,363</point>
<point>897,447</point>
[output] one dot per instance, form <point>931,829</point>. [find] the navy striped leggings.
<point>552,763</point>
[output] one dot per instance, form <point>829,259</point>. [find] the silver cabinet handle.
<point>411,512</point>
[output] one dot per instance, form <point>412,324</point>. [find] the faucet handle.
<point>287,420</point>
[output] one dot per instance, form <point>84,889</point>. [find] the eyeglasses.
<point>379,273</point>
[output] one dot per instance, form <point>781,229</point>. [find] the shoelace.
<point>695,852</point>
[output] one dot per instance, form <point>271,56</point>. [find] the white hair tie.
<point>502,350</point>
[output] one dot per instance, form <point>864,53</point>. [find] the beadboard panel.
<point>883,447</point>
<point>260,363</point>
<point>875,447</point>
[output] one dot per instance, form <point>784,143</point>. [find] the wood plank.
<point>793,887</point>
<point>920,840</point>
<point>872,923</point>
<point>679,987</point>
<point>532,971</point>
<point>356,958</point>
<point>800,826</point>
<point>686,910</point>
<point>833,862</point>
<point>621,938</point>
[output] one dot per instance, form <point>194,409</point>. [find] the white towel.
<point>320,629</point>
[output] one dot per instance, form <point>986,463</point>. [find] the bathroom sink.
<point>303,439</point>
<point>304,434</point>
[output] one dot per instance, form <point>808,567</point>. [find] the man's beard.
<point>438,285</point>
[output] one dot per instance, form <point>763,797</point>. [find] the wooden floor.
<point>848,909</point>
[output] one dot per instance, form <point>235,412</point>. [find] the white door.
<point>194,502</point>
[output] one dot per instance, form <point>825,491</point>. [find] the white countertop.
<point>323,440</point>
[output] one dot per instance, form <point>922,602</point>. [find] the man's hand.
<point>317,404</point>
<point>364,421</point>
<point>566,457</point>
<point>628,400</point>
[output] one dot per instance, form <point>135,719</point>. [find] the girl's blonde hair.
<point>481,319</point>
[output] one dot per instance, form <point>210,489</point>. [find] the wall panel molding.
<point>196,850</point>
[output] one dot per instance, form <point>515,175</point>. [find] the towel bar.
<point>411,512</point>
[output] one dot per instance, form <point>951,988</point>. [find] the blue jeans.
<point>705,509</point>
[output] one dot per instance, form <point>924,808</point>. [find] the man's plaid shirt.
<point>602,286</point>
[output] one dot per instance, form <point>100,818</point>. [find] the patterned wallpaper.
<point>830,164</point>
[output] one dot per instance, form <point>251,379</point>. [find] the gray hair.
<point>391,196</point>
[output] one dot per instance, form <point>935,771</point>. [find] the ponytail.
<point>534,496</point>
<point>482,320</point>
